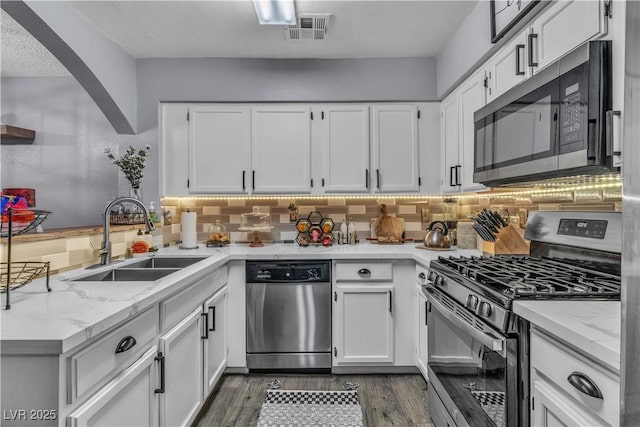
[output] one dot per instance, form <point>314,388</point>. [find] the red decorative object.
<point>27,193</point>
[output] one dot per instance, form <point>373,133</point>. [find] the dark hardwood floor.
<point>386,400</point>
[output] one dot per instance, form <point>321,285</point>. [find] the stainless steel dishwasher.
<point>288,315</point>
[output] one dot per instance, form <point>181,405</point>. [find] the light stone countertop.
<point>41,322</point>
<point>591,327</point>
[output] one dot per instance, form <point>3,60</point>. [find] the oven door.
<point>473,369</point>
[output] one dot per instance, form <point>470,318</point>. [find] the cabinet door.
<point>174,142</point>
<point>281,149</point>
<point>345,148</point>
<point>563,26</point>
<point>363,327</point>
<point>395,148</point>
<point>127,400</point>
<point>553,409</point>
<point>421,338</point>
<point>471,97</point>
<point>508,67</point>
<point>182,350</point>
<point>215,346</point>
<point>449,137</point>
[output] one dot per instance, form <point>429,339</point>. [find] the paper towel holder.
<point>181,246</point>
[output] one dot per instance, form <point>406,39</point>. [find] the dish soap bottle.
<point>153,214</point>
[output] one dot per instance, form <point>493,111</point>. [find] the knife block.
<point>509,242</point>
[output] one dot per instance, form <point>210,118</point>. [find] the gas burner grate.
<point>532,277</point>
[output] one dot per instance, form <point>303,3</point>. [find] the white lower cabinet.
<point>215,345</point>
<point>363,330</point>
<point>181,348</point>
<point>569,388</point>
<point>127,400</point>
<point>421,331</point>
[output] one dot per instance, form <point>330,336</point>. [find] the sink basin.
<point>128,275</point>
<point>165,262</point>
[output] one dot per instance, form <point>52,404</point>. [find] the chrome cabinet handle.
<point>366,178</point>
<point>584,384</point>
<point>390,301</point>
<point>244,174</point>
<point>160,358</point>
<point>519,72</point>
<point>378,178</point>
<point>364,272</point>
<point>125,344</point>
<point>451,184</point>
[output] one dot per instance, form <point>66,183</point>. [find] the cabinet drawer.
<point>363,271</point>
<point>110,354</point>
<point>176,307</point>
<point>557,363</point>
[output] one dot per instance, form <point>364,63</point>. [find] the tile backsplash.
<point>417,212</point>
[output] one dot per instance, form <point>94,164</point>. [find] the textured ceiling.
<point>229,29</point>
<point>217,28</point>
<point>21,55</point>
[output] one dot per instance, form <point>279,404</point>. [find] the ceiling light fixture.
<point>275,12</point>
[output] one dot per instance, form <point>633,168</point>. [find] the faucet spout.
<point>105,250</point>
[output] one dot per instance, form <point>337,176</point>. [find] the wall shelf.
<point>15,135</point>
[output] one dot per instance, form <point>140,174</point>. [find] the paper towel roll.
<point>189,235</point>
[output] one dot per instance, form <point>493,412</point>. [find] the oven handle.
<point>495,343</point>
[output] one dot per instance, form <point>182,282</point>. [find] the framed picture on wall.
<point>506,13</point>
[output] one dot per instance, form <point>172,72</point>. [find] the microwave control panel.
<point>571,113</point>
<point>591,228</point>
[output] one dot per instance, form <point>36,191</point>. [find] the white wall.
<point>66,163</point>
<point>281,80</point>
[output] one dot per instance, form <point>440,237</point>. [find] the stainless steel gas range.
<point>478,349</point>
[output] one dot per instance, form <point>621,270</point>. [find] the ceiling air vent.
<point>309,27</point>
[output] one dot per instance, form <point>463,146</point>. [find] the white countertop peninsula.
<point>41,322</point>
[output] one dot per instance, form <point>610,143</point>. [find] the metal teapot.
<point>438,236</point>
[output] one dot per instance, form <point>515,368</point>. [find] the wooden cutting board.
<point>387,226</point>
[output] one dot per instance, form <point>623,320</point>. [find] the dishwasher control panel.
<point>288,271</point>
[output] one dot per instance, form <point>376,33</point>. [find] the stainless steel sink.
<point>165,262</point>
<point>128,275</point>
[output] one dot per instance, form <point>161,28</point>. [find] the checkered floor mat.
<point>492,403</point>
<point>310,408</point>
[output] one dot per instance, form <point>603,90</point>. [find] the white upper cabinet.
<point>457,134</point>
<point>508,67</point>
<point>219,142</point>
<point>345,148</point>
<point>449,136</point>
<point>281,149</point>
<point>562,27</point>
<point>174,141</point>
<point>395,148</point>
<point>470,99</point>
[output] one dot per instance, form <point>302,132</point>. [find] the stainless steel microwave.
<point>553,124</point>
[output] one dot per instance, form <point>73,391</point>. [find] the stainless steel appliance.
<point>630,352</point>
<point>553,124</point>
<point>478,349</point>
<point>288,315</point>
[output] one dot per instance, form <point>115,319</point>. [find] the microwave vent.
<point>309,27</point>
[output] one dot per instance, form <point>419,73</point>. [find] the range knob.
<point>484,309</point>
<point>431,276</point>
<point>422,276</point>
<point>438,280</point>
<point>472,302</point>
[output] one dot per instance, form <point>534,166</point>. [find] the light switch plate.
<point>425,214</point>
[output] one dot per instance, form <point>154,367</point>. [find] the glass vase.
<point>136,193</point>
